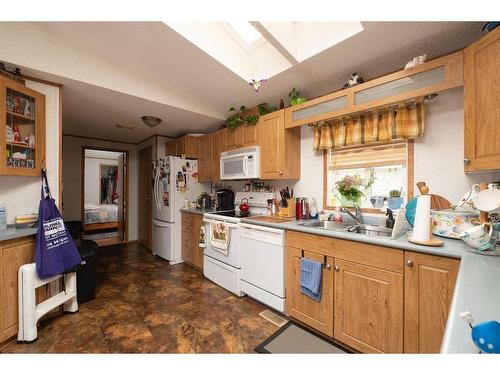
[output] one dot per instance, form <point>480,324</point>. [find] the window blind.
<point>368,157</point>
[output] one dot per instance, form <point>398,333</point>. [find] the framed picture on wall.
<point>109,184</point>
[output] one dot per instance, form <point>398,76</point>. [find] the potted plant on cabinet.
<point>295,97</point>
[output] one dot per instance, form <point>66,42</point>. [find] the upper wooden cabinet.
<point>217,145</point>
<point>22,129</point>
<point>186,145</point>
<point>242,136</point>
<point>316,314</point>
<point>279,148</point>
<point>368,308</point>
<point>204,158</point>
<point>429,284</point>
<point>482,103</point>
<point>433,76</point>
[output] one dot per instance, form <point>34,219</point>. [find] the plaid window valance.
<point>403,121</point>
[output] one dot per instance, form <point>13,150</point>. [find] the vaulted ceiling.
<point>115,72</point>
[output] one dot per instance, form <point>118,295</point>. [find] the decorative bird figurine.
<point>256,84</point>
<point>485,335</point>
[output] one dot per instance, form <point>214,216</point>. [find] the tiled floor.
<point>143,305</point>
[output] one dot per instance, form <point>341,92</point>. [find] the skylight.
<point>245,30</point>
<point>260,50</point>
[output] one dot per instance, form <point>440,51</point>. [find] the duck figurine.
<point>485,335</point>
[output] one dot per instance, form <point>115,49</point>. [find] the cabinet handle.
<point>336,268</point>
<point>281,173</point>
<point>466,161</point>
<point>409,263</point>
<point>328,267</point>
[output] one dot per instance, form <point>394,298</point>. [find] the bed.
<point>100,216</point>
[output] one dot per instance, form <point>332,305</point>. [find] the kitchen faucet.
<point>356,217</point>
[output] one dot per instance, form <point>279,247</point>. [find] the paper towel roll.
<point>421,229</point>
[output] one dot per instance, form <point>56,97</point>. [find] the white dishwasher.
<point>263,264</point>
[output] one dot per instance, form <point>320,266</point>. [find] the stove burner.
<point>233,214</point>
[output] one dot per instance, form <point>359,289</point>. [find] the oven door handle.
<point>229,225</point>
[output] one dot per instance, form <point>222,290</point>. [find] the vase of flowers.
<point>351,188</point>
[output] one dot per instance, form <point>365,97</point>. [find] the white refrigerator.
<point>175,179</point>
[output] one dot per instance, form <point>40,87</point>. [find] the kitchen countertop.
<point>475,288</point>
<point>12,233</point>
<point>198,211</point>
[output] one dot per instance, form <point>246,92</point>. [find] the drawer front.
<point>359,252</point>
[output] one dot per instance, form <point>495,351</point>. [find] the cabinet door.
<point>22,118</point>
<point>234,138</point>
<point>191,147</point>
<point>13,255</point>
<point>271,136</point>
<point>482,103</point>
<point>318,315</point>
<point>218,145</point>
<point>171,148</point>
<point>368,308</point>
<point>429,285</point>
<point>204,158</point>
<point>249,135</point>
<point>187,238</point>
<point>181,145</point>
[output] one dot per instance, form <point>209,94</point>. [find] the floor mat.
<point>294,339</point>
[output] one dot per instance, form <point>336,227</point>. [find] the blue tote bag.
<point>56,251</point>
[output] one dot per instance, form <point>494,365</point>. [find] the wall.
<point>72,179</point>
<point>93,176</point>
<point>22,194</point>
<point>438,154</point>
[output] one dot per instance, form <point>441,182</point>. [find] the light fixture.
<point>151,121</point>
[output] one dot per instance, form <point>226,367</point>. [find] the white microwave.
<point>240,164</point>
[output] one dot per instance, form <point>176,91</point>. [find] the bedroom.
<point>102,178</point>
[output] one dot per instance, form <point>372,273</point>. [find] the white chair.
<point>29,312</point>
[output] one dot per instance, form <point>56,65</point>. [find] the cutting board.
<point>270,219</point>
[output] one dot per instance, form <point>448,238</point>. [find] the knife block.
<point>290,210</point>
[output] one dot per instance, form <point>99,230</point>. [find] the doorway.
<point>105,195</point>
<point>145,190</point>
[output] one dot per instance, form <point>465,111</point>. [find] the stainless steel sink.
<point>329,225</point>
<point>365,229</point>
<point>371,230</point>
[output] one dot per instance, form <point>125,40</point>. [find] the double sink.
<point>365,229</point>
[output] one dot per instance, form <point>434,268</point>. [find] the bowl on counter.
<point>445,223</point>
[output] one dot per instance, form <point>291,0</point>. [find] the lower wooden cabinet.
<point>13,254</point>
<point>191,252</point>
<point>318,315</point>
<point>429,284</point>
<point>374,299</point>
<point>368,308</point>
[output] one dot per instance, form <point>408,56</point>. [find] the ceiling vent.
<point>120,126</point>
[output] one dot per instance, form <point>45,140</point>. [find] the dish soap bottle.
<point>313,210</point>
<point>3,216</point>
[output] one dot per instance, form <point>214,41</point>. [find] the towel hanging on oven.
<point>219,237</point>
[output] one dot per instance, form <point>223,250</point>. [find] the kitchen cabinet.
<point>240,137</point>
<point>191,252</point>
<point>368,308</point>
<point>482,103</point>
<point>171,148</point>
<point>204,158</point>
<point>13,254</point>
<point>186,145</point>
<point>429,284</point>
<point>279,147</point>
<point>22,129</point>
<point>217,145</point>
<point>376,299</point>
<point>316,314</point>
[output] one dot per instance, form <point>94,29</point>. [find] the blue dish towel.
<point>310,278</point>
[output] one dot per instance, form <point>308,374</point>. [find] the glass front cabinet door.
<point>22,135</point>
